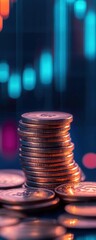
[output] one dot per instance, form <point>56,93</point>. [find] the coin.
<point>21,195</point>
<point>51,118</point>
<point>67,236</point>
<point>35,207</point>
<point>45,167</point>
<point>71,221</point>
<point>8,221</point>
<point>45,131</point>
<point>64,160</point>
<point>59,173</point>
<point>82,190</point>
<point>43,135</point>
<point>36,230</point>
<point>11,178</point>
<point>41,126</point>
<point>45,145</point>
<point>87,209</point>
<point>48,139</point>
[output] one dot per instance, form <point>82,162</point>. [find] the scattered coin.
<point>87,209</point>
<point>82,190</point>
<point>67,236</point>
<point>21,195</point>
<point>71,221</point>
<point>36,230</point>
<point>35,207</point>
<point>11,178</point>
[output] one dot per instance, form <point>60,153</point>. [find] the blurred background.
<point>48,62</point>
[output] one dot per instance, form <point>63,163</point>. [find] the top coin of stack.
<point>46,150</point>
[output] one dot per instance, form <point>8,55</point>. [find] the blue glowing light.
<point>14,86</point>
<point>70,1</point>
<point>4,72</point>
<point>29,79</point>
<point>80,7</point>
<point>90,36</point>
<point>46,68</point>
<point>60,44</point>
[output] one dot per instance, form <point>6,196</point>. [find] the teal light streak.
<point>60,44</point>
<point>80,7</point>
<point>4,72</point>
<point>46,68</point>
<point>90,36</point>
<point>14,86</point>
<point>29,79</point>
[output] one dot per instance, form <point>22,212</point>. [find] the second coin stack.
<point>46,150</point>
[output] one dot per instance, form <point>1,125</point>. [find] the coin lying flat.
<point>36,230</point>
<point>45,131</point>
<point>35,207</point>
<point>71,221</point>
<point>11,178</point>
<point>82,190</point>
<point>43,135</point>
<point>47,117</point>
<point>67,236</point>
<point>87,209</point>
<point>27,195</point>
<point>13,214</point>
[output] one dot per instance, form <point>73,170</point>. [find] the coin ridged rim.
<point>42,126</point>
<point>48,150</point>
<point>45,131</point>
<point>45,145</point>
<point>43,135</point>
<point>52,160</point>
<point>53,179</point>
<point>61,117</point>
<point>46,174</point>
<point>44,139</point>
<point>51,169</point>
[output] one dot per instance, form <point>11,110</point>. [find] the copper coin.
<point>46,168</point>
<point>51,185</point>
<point>59,173</point>
<point>43,135</point>
<point>21,195</point>
<point>52,160</point>
<point>35,207</point>
<point>11,178</point>
<point>34,230</point>
<point>67,236</point>
<point>13,214</point>
<point>48,150</point>
<point>80,190</point>
<point>41,126</point>
<point>45,131</point>
<point>87,209</point>
<point>53,179</point>
<point>45,145</point>
<point>59,139</point>
<point>71,221</point>
<point>47,117</point>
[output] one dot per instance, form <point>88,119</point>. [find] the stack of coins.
<point>46,150</point>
